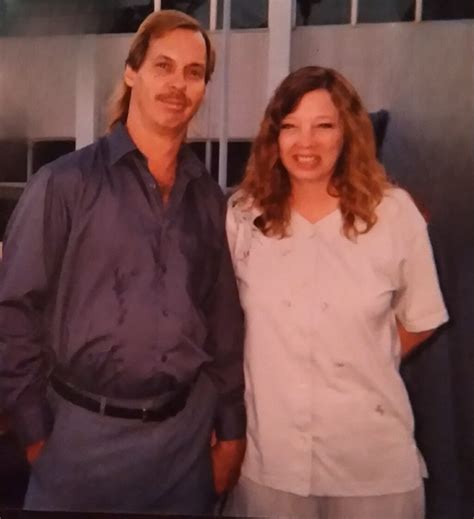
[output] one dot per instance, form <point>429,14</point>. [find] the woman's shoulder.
<point>397,197</point>
<point>241,207</point>
<point>399,207</point>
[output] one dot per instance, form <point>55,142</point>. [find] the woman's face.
<point>311,138</point>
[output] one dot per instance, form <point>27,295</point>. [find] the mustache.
<point>174,97</point>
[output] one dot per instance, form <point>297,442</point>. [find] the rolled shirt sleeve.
<point>418,303</point>
<point>34,240</point>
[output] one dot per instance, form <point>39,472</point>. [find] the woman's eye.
<point>325,125</point>
<point>286,126</point>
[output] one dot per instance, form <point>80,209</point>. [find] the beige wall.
<point>424,75</point>
<point>421,73</point>
<point>37,86</point>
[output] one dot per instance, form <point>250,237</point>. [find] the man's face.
<point>168,88</point>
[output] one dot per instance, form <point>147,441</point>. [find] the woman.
<point>337,281</point>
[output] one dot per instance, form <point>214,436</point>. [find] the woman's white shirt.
<point>328,413</point>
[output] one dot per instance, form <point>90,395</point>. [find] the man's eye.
<point>163,65</point>
<point>196,73</point>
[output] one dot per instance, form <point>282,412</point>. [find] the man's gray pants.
<point>99,463</point>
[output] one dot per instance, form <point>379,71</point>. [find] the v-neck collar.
<point>300,224</point>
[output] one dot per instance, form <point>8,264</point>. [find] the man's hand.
<point>33,451</point>
<point>227,457</point>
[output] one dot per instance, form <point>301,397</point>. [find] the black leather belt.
<point>103,406</point>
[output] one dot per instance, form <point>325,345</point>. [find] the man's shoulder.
<point>78,160</point>
<point>69,172</point>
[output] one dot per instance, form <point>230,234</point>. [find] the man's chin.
<point>172,124</point>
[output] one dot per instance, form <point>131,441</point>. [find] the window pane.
<point>237,156</point>
<point>45,151</point>
<point>238,153</point>
<point>198,9</point>
<point>372,11</point>
<point>7,205</point>
<point>118,16</point>
<point>199,148</point>
<point>448,10</point>
<point>245,14</point>
<point>323,12</point>
<point>14,160</point>
<point>52,17</point>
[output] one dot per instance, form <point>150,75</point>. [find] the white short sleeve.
<point>418,303</point>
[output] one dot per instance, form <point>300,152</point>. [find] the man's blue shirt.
<point>125,296</point>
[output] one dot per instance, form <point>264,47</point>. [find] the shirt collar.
<point>120,144</point>
<point>188,163</point>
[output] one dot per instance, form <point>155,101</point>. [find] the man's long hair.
<point>359,180</point>
<point>154,26</point>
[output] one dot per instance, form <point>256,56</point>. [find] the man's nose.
<point>178,80</point>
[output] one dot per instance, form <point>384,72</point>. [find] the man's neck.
<point>160,148</point>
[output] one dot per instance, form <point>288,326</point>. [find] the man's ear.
<point>129,76</point>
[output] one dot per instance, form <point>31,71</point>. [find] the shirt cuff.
<point>231,422</point>
<point>32,422</point>
<point>429,322</point>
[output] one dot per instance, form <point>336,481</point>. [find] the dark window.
<point>373,11</point>
<point>199,148</point>
<point>14,167</point>
<point>199,9</point>
<point>323,12</point>
<point>237,156</point>
<point>238,153</point>
<point>46,151</point>
<point>52,17</point>
<point>13,160</point>
<point>447,9</point>
<point>118,16</point>
<point>6,209</point>
<point>245,14</point>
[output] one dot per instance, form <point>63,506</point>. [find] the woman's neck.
<point>312,200</point>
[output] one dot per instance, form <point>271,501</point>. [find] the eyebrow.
<point>163,56</point>
<point>167,58</point>
<point>197,64</point>
<point>325,116</point>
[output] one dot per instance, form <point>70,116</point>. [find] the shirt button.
<point>152,185</point>
<point>163,269</point>
<point>165,313</point>
<point>164,358</point>
<point>324,306</point>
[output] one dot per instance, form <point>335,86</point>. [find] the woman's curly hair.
<point>359,180</point>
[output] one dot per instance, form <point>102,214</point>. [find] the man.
<point>119,315</point>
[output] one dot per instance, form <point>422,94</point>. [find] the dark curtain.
<point>440,376</point>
